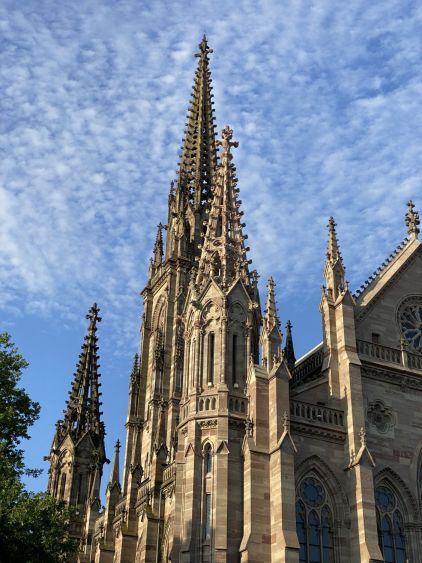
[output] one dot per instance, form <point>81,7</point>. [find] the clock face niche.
<point>410,322</point>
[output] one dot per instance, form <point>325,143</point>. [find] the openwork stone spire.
<point>271,319</point>
<point>82,413</point>
<point>412,220</point>
<point>334,271</point>
<point>223,255</point>
<point>199,157</point>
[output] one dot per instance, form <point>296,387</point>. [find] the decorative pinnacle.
<point>271,307</point>
<point>412,220</point>
<point>289,352</point>
<point>158,246</point>
<point>114,474</point>
<point>333,249</point>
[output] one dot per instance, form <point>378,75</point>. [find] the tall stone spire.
<point>223,255</point>
<point>199,157</point>
<point>77,454</point>
<point>82,413</point>
<point>412,220</point>
<point>289,352</point>
<point>334,270</point>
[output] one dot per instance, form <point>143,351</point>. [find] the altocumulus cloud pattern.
<point>324,98</point>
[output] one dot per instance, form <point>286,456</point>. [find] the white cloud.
<point>324,98</point>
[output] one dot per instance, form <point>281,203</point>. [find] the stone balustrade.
<point>318,414</point>
<point>398,356</point>
<point>308,369</point>
<point>169,472</point>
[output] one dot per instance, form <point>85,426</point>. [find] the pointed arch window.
<point>207,498</point>
<point>391,535</point>
<point>314,523</point>
<point>211,352</point>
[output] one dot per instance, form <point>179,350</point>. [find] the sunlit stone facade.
<point>236,451</point>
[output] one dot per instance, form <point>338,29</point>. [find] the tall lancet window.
<point>391,535</point>
<point>207,508</point>
<point>211,354</point>
<point>234,359</point>
<point>314,523</point>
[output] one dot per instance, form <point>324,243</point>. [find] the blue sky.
<point>324,98</point>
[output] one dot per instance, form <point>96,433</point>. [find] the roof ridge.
<point>358,293</point>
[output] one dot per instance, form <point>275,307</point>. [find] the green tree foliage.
<point>33,527</point>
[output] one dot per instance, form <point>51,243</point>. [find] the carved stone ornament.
<point>209,423</point>
<point>380,415</point>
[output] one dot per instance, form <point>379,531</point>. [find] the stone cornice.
<point>321,433</point>
<point>402,378</point>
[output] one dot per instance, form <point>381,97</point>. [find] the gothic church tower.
<point>78,454</point>
<point>236,451</point>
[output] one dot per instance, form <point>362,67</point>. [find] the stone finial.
<point>412,220</point>
<point>204,49</point>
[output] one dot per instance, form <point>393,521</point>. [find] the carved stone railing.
<point>144,490</point>
<point>398,356</point>
<point>318,414</point>
<point>383,353</point>
<point>414,360</point>
<point>308,369</point>
<point>169,472</point>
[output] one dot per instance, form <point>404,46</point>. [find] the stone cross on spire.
<point>412,220</point>
<point>223,254</point>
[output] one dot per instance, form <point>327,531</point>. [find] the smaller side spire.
<point>271,319</point>
<point>271,336</point>
<point>134,376</point>
<point>412,220</point>
<point>115,468</point>
<point>158,247</point>
<point>289,352</point>
<point>334,271</point>
<point>333,249</point>
<point>223,253</point>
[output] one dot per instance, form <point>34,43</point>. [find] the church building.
<point>235,450</point>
